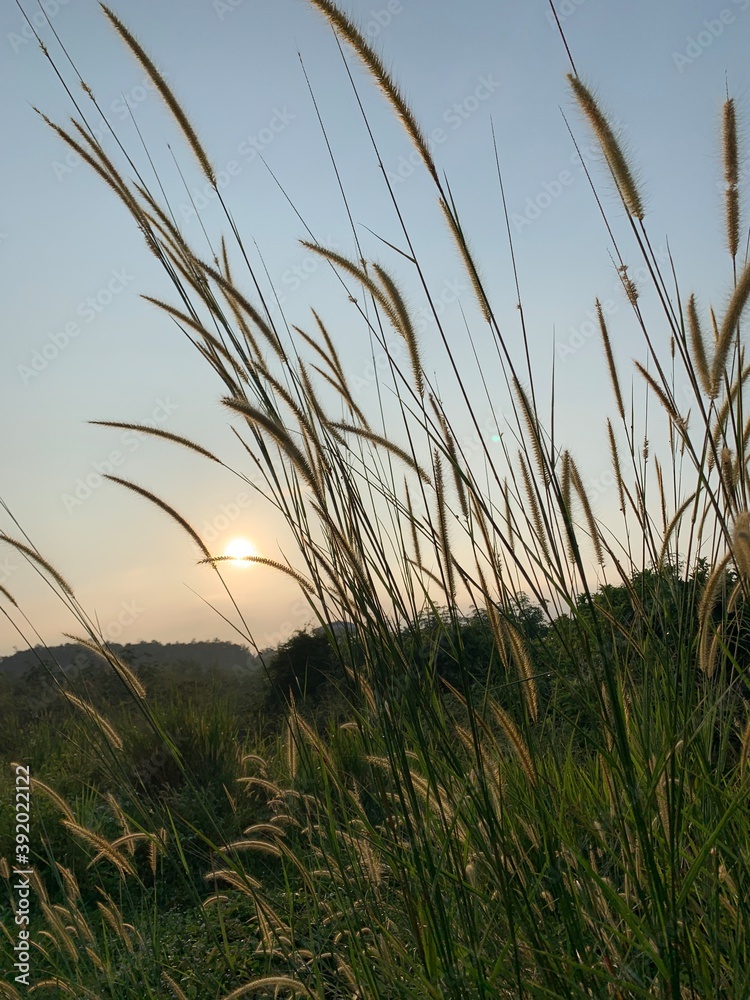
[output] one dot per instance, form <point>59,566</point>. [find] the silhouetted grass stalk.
<point>446,842</point>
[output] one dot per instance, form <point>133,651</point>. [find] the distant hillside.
<point>211,655</point>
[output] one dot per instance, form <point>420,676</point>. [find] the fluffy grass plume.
<point>165,92</point>
<point>731,175</point>
<point>611,148</point>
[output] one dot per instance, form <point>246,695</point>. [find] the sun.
<point>238,550</point>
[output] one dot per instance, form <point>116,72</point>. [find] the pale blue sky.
<point>71,258</point>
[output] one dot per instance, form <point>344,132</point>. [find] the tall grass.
<point>446,841</point>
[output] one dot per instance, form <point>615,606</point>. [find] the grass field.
<point>504,778</point>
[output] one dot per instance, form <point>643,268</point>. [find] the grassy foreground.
<point>545,797</point>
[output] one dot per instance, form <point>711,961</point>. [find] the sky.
<point>79,343</point>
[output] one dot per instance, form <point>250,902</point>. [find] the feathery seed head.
<point>165,92</point>
<point>698,348</point>
<point>728,329</point>
<point>354,37</point>
<point>610,147</point>
<point>729,142</point>
<point>630,287</point>
<point>741,545</point>
<point>728,468</point>
<point>732,203</point>
<point>731,175</point>
<point>610,360</point>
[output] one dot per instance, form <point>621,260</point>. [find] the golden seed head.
<point>610,147</point>
<point>728,469</point>
<point>741,545</point>
<point>729,141</point>
<point>733,220</point>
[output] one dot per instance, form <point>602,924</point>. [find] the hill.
<point>213,654</point>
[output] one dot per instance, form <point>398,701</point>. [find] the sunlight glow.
<point>238,550</point>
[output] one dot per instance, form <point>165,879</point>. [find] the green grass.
<point>545,797</point>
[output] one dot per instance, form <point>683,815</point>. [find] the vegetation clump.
<point>507,775</point>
